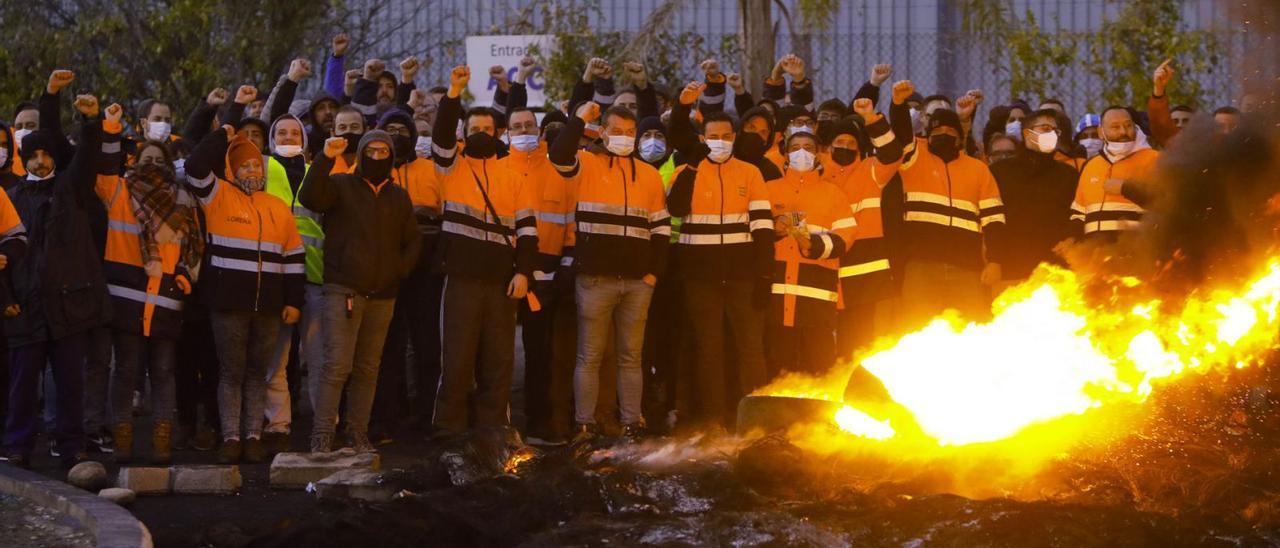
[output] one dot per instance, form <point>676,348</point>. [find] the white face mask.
<point>917,123</point>
<point>1120,149</point>
<point>4,155</point>
<point>621,145</point>
<point>801,160</point>
<point>158,131</point>
<point>524,143</point>
<point>180,168</point>
<point>19,135</point>
<point>1092,146</point>
<point>652,149</point>
<point>1014,129</point>
<point>288,151</point>
<point>423,147</point>
<point>1043,142</point>
<point>792,130</point>
<point>720,150</point>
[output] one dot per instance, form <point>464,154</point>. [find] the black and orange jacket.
<point>865,267</point>
<point>1106,215</point>
<point>148,305</point>
<point>952,211</point>
<point>473,243</point>
<point>726,230</point>
<point>555,208</point>
<point>620,226</point>
<point>254,259</point>
<point>806,286</point>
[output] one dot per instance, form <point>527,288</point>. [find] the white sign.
<point>484,52</point>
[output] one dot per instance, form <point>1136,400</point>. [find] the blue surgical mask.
<point>1014,129</point>
<point>652,149</point>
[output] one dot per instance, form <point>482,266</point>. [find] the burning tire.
<point>774,413</point>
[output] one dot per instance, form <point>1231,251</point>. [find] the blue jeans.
<point>150,356</point>
<point>352,354</point>
<point>245,343</point>
<point>608,304</point>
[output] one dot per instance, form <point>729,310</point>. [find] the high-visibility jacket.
<point>473,243</point>
<point>418,178</point>
<point>255,259</point>
<point>864,268</point>
<point>551,191</point>
<point>1108,214</point>
<point>620,226</point>
<point>806,287</point>
<point>148,305</point>
<point>13,244</point>
<point>310,223</point>
<point>729,225</point>
<point>951,210</point>
<point>1075,163</point>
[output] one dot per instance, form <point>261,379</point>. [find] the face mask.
<point>524,143</point>
<point>158,131</point>
<point>621,145</point>
<point>998,156</point>
<point>353,142</point>
<point>19,135</point>
<point>180,168</point>
<point>481,145</point>
<point>34,177</point>
<point>801,160</point>
<point>1014,129</point>
<point>375,170</point>
<point>944,146</point>
<point>403,148</point>
<point>4,155</point>
<point>843,156</point>
<point>423,147</point>
<point>591,128</point>
<point>251,184</point>
<point>749,147</point>
<point>1043,142</point>
<point>1092,146</point>
<point>288,151</point>
<point>720,150</point>
<point>1120,149</point>
<point>652,149</point>
<point>792,130</point>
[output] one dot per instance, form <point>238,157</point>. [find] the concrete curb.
<point>111,525</point>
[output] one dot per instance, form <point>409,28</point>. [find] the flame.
<point>1048,355</point>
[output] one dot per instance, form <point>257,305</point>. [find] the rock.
<point>295,470</point>
<point>144,480</point>
<point>205,480</point>
<point>89,475</point>
<point>123,497</point>
<point>356,483</point>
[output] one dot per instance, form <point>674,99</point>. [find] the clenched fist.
<point>588,112</point>
<point>373,69</point>
<point>902,89</point>
<point>409,68</point>
<point>636,73</point>
<point>246,94</point>
<point>793,65</point>
<point>458,79</point>
<point>499,74</point>
<point>340,43</point>
<point>87,105</point>
<point>689,95</point>
<point>299,69</point>
<point>866,109</point>
<point>525,69</point>
<point>58,80</point>
<point>334,146</point>
<point>114,112</point>
<point>217,97</point>
<point>965,106</point>
<point>596,68</point>
<point>735,81</point>
<point>711,68</point>
<point>880,73</point>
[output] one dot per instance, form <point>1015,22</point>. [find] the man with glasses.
<point>1037,191</point>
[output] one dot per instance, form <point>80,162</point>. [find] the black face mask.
<point>353,142</point>
<point>843,156</point>
<point>749,147</point>
<point>403,146</point>
<point>481,145</point>
<point>375,170</point>
<point>946,147</point>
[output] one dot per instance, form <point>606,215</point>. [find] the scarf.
<point>165,215</point>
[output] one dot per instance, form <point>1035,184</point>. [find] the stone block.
<point>205,480</point>
<point>123,497</point>
<point>89,475</point>
<point>295,470</point>
<point>355,483</point>
<point>144,480</point>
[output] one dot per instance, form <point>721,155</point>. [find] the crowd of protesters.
<point>663,253</point>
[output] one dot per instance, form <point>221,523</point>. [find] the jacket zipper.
<point>257,290</point>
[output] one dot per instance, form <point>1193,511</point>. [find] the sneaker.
<point>632,433</point>
<point>53,449</point>
<point>205,439</point>
<point>100,442</point>
<point>360,442</point>
<point>254,451</point>
<point>230,452</point>
<point>584,432</point>
<point>321,443</point>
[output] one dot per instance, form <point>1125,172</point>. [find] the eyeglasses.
<point>1044,128</point>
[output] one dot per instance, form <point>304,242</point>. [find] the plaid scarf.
<point>165,215</point>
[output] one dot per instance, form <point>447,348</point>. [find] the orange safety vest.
<point>806,287</point>
<point>551,191</point>
<point>1104,213</point>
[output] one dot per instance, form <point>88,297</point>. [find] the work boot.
<point>123,433</point>
<point>230,452</point>
<point>277,442</point>
<point>161,442</point>
<point>585,432</point>
<point>632,433</point>
<point>321,443</point>
<point>254,452</point>
<point>360,442</point>
<point>205,439</point>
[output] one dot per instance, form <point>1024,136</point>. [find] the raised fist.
<point>458,79</point>
<point>596,68</point>
<point>636,73</point>
<point>87,105</point>
<point>409,68</point>
<point>340,43</point>
<point>373,68</point>
<point>1162,76</point>
<point>525,68</point>
<point>865,108</point>
<point>735,81</point>
<point>965,106</point>
<point>499,74</point>
<point>588,111</point>
<point>114,112</point>
<point>689,95</point>
<point>298,69</point>
<point>217,97</point>
<point>351,76</point>
<point>880,73</point>
<point>977,95</point>
<point>417,98</point>
<point>902,89</point>
<point>246,94</point>
<point>58,80</point>
<point>334,146</point>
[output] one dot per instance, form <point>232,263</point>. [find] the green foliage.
<point>173,50</point>
<point>1032,62</point>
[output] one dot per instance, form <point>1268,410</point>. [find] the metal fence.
<point>920,38</point>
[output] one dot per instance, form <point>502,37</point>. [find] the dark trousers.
<point>65,357</point>
<point>662,357</point>
<point>247,342</point>
<point>97,373</point>
<point>416,322</point>
<point>807,349</point>
<point>479,354</point>
<point>549,340</point>
<point>861,323</point>
<point>718,312</point>
<point>196,373</point>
